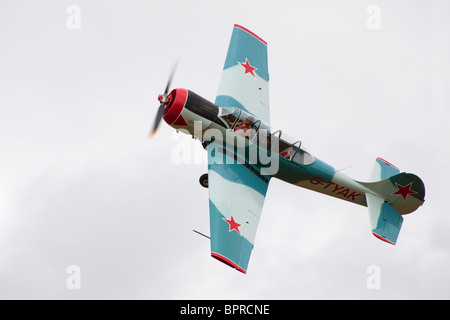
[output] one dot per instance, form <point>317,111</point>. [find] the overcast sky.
<point>81,185</point>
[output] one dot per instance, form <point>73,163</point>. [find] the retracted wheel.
<point>204,180</point>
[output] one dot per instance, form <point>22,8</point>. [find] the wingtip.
<point>383,238</point>
<point>228,262</point>
<point>250,32</point>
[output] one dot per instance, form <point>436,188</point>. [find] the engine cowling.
<point>174,108</point>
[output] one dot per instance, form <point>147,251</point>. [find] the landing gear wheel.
<point>204,180</point>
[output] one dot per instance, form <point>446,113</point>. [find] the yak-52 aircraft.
<point>244,153</point>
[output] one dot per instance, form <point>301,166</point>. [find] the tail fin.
<point>392,195</point>
<point>382,170</point>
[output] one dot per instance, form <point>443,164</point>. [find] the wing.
<point>245,78</point>
<point>236,196</point>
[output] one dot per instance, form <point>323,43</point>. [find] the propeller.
<point>163,100</point>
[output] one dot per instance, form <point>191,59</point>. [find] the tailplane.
<point>392,195</point>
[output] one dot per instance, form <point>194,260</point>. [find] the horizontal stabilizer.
<point>385,221</point>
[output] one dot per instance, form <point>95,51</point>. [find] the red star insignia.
<point>233,224</point>
<point>404,191</point>
<point>248,67</point>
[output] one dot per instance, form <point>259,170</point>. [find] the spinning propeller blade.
<point>163,99</point>
<point>159,115</point>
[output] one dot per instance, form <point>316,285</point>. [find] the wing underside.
<point>236,197</point>
<point>245,77</point>
<point>237,189</point>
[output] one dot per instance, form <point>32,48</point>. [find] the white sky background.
<point>80,183</point>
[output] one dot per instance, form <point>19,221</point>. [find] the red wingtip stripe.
<point>382,238</point>
<point>387,162</point>
<point>227,262</point>
<point>248,31</point>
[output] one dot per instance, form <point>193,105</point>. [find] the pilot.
<point>286,153</point>
<point>244,128</point>
<point>230,120</point>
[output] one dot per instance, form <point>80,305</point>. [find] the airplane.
<point>245,153</point>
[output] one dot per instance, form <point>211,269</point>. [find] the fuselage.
<point>264,150</point>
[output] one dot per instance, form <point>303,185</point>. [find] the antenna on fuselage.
<point>353,165</point>
<point>201,234</point>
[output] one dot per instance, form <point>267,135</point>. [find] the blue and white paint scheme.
<point>245,77</point>
<point>245,153</point>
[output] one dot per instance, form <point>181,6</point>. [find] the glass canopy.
<point>258,132</point>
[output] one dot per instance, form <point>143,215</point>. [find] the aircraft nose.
<point>175,105</point>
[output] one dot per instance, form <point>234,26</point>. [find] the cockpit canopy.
<point>252,128</point>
